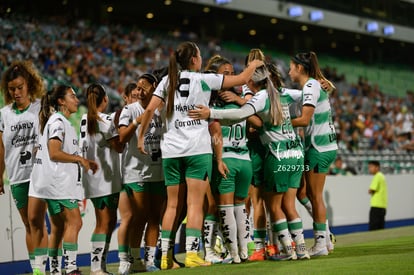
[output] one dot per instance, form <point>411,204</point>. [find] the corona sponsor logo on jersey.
<point>186,123</point>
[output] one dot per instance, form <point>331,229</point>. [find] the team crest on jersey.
<point>25,157</point>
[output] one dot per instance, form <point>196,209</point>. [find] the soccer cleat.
<point>330,243</point>
<point>301,251</point>
<point>251,248</point>
<point>258,255</point>
<point>271,250</point>
<point>227,259</point>
<point>236,259</point>
<point>213,258</point>
<point>283,257</point>
<point>123,268</point>
<point>166,262</point>
<point>318,251</point>
<point>36,271</point>
<point>193,260</point>
<point>332,237</point>
<point>152,268</point>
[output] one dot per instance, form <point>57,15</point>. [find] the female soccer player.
<point>22,87</point>
<point>186,144</point>
<point>143,181</point>
<point>282,147</point>
<point>99,140</point>
<point>320,139</point>
<point>56,175</point>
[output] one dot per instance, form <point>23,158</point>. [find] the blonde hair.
<point>261,79</point>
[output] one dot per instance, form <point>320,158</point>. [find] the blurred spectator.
<point>341,168</point>
<point>79,53</point>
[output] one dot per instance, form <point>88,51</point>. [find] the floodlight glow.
<point>295,11</point>
<point>316,16</point>
<point>371,26</point>
<point>388,30</point>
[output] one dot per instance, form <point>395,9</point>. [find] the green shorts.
<point>238,179</point>
<point>20,194</point>
<point>155,188</point>
<point>176,170</point>
<point>56,206</point>
<point>281,174</point>
<point>319,162</point>
<point>110,201</point>
<point>257,155</point>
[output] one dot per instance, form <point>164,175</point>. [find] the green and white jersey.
<point>138,167</point>
<point>295,105</point>
<point>184,136</point>
<point>234,138</point>
<point>20,130</point>
<point>51,179</point>
<point>279,139</point>
<point>107,180</point>
<point>320,133</point>
<point>295,101</point>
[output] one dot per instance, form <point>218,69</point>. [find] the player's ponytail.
<point>179,60</point>
<point>50,104</point>
<point>261,80</point>
<point>95,94</point>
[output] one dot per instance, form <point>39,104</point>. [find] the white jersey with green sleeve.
<point>20,132</point>
<point>51,179</point>
<point>107,180</point>
<point>139,167</point>
<point>280,139</point>
<point>184,136</point>
<point>320,133</point>
<point>234,138</point>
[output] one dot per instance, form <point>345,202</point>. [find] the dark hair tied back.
<point>301,59</point>
<point>150,78</point>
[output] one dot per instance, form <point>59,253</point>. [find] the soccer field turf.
<point>389,251</point>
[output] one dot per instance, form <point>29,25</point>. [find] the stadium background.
<point>231,30</point>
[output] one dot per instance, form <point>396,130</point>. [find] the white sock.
<point>229,228</point>
<point>320,238</point>
<point>209,233</point>
<point>296,230</point>
<point>243,229</point>
<point>98,247</point>
<point>149,255</point>
<point>55,263</point>
<point>70,259</point>
<point>280,228</point>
